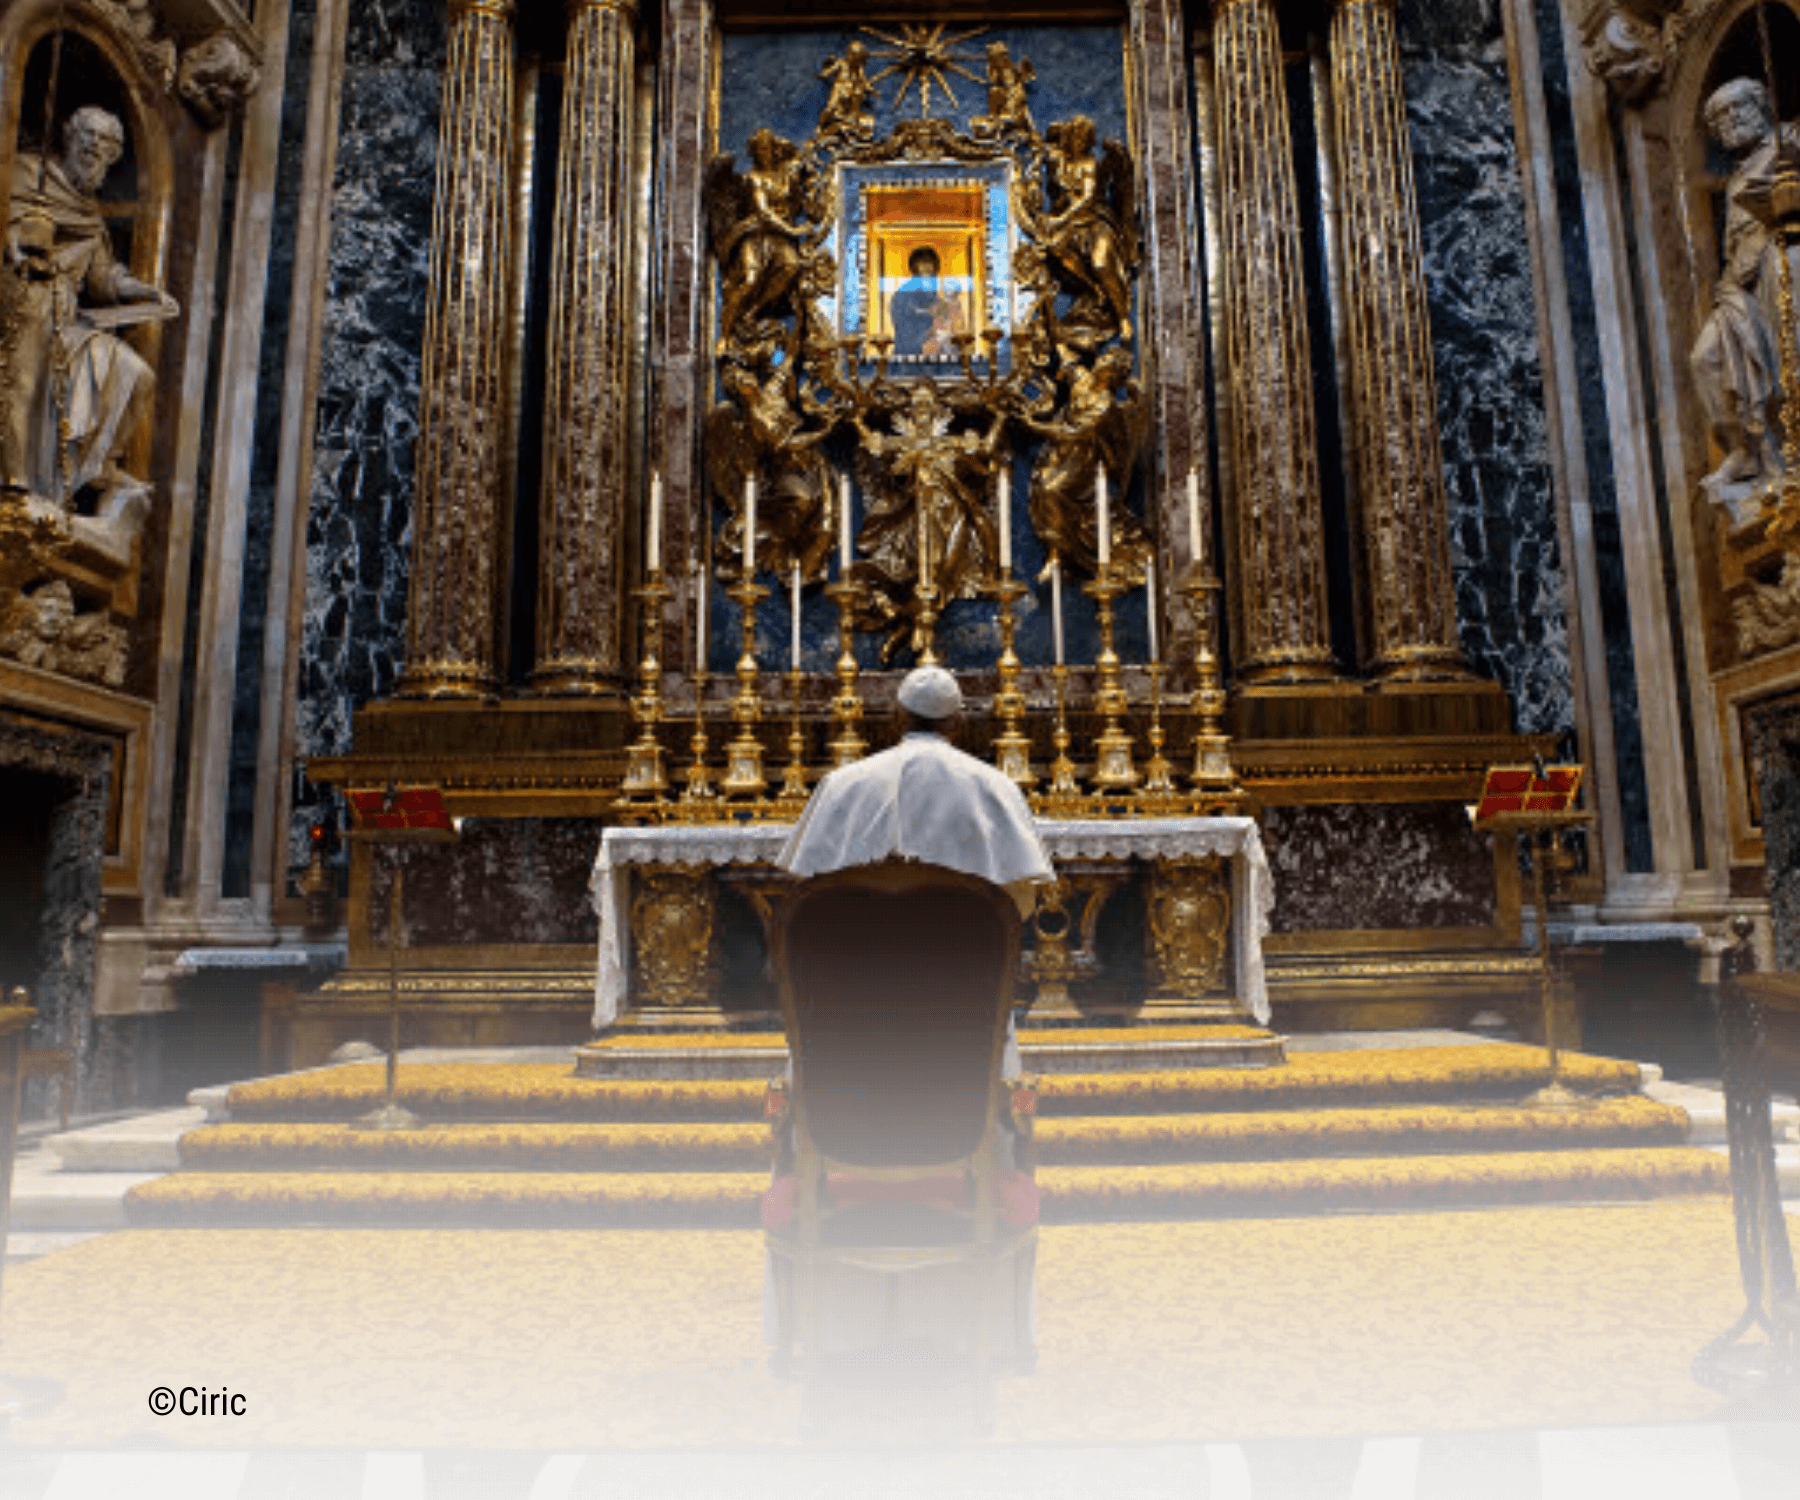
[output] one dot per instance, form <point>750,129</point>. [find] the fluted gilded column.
<point>451,608</point>
<point>1411,600</point>
<point>1278,528</point>
<point>587,470</point>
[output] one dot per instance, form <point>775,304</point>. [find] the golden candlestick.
<point>847,745</point>
<point>1113,768</point>
<point>646,781</point>
<point>700,799</point>
<point>791,799</point>
<point>1213,776</point>
<point>1012,746</point>
<point>743,756</point>
<point>925,626</point>
<point>1158,796</point>
<point>1064,797</point>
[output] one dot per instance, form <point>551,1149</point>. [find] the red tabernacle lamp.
<point>1529,791</point>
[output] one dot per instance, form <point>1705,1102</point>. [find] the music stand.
<point>1537,802</point>
<point>395,816</point>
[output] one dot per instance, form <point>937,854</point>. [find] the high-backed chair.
<point>902,1220</point>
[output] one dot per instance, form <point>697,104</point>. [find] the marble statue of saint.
<point>1736,361</point>
<point>69,370</point>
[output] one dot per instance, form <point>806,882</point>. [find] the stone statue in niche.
<point>1008,85</point>
<point>1736,361</point>
<point>1095,428</point>
<point>849,111</point>
<point>42,628</point>
<point>76,391</point>
<point>215,77</point>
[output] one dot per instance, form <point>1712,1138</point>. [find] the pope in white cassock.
<point>923,800</point>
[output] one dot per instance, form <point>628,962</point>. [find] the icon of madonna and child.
<point>927,311</point>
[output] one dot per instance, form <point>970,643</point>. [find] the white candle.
<point>1056,606</point>
<point>1193,497</point>
<point>1005,524</point>
<point>750,530</point>
<point>844,523</point>
<point>1103,504</point>
<point>702,582</point>
<point>1150,606</point>
<point>653,544</point>
<point>795,610</point>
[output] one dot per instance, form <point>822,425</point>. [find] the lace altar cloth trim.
<point>1253,887</point>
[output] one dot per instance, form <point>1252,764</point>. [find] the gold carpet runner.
<point>1326,1132</point>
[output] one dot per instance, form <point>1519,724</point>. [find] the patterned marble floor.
<point>1712,1461</point>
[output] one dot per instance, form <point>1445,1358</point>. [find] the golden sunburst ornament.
<point>925,55</point>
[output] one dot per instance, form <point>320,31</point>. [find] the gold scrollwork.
<point>672,934</point>
<point>1190,919</point>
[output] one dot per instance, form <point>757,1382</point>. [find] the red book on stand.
<point>1523,789</point>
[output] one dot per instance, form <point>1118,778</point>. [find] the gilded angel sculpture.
<point>756,221</point>
<point>849,110</point>
<point>1008,81</point>
<point>1088,238</point>
<point>1095,428</point>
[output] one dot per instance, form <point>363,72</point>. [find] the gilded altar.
<point>931,377</point>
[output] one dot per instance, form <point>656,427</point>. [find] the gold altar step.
<point>531,1144</point>
<point>1309,1080</point>
<point>1070,1194</point>
<point>1117,1140</point>
<point>634,1053</point>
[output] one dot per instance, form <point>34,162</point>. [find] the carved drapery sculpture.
<point>450,626</point>
<point>1404,515</point>
<point>1736,360</point>
<point>586,429</point>
<point>1277,521</point>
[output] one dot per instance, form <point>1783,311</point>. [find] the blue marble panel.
<point>1508,569</point>
<point>358,539</point>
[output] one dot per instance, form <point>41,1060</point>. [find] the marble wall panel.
<point>520,880</point>
<point>1341,868</point>
<point>1508,568</point>
<point>358,540</point>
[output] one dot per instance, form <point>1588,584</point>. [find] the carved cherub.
<point>849,109</point>
<point>1089,236</point>
<point>755,219</point>
<point>1095,428</point>
<point>1009,106</point>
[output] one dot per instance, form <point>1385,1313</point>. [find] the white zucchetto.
<point>931,693</point>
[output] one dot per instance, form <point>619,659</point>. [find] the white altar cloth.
<point>1252,886</point>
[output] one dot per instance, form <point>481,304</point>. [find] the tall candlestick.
<point>1056,606</point>
<point>1150,607</point>
<point>843,523</point>
<point>1193,509</point>
<point>750,530</point>
<point>653,542</point>
<point>794,607</point>
<point>1103,504</point>
<point>1005,524</point>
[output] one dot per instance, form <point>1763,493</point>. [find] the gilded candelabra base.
<point>1012,746</point>
<point>699,799</point>
<point>1063,798</point>
<point>847,744</point>
<point>1213,778</point>
<point>925,626</point>
<point>1158,795</point>
<point>790,801</point>
<point>744,755</point>
<point>1114,770</point>
<point>646,776</point>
